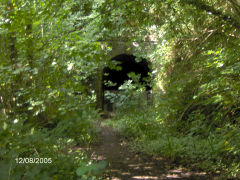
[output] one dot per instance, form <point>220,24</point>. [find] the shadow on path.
<point>124,164</point>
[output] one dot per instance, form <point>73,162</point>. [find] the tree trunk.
<point>99,88</point>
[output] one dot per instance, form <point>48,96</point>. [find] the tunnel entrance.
<point>122,68</point>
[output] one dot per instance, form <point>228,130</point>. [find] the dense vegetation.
<point>51,50</point>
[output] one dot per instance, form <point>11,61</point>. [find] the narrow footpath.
<point>125,164</point>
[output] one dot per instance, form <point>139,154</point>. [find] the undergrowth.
<point>198,146</point>
<point>31,152</point>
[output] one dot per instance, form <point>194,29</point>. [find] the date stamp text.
<point>33,160</point>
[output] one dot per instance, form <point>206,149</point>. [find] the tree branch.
<point>204,7</point>
<point>92,19</point>
<point>236,6</point>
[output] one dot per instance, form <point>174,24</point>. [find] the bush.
<point>20,142</point>
<point>199,145</point>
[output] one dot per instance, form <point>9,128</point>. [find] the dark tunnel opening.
<point>118,72</point>
<point>125,64</point>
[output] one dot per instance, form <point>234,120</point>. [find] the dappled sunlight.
<point>143,171</point>
<point>147,167</point>
<point>125,164</point>
<point>163,74</point>
<point>126,174</point>
<point>144,177</point>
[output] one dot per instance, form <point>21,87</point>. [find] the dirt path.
<point>124,164</point>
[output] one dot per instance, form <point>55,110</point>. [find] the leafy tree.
<point>197,59</point>
<point>51,50</point>
<point>44,61</point>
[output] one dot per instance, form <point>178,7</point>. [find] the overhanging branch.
<point>204,7</point>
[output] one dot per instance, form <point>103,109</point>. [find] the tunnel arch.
<point>119,68</point>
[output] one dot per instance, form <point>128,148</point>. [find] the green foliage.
<point>129,95</point>
<point>51,50</point>
<point>195,115</point>
<point>200,148</point>
<point>47,101</point>
<point>27,141</point>
<point>91,169</point>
